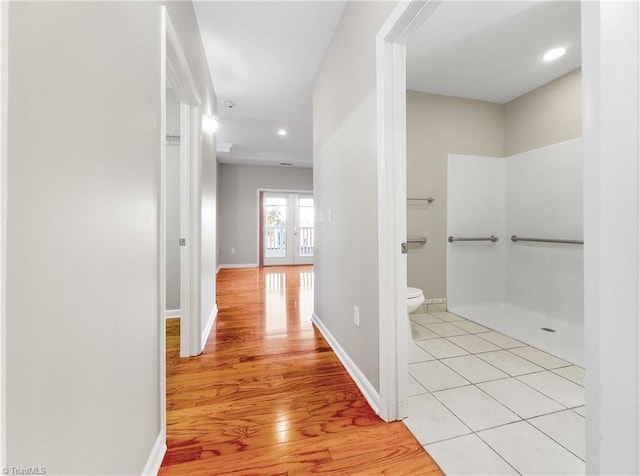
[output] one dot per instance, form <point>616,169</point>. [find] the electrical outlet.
<point>356,316</point>
<point>233,250</point>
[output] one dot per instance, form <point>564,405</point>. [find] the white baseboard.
<point>171,313</point>
<point>218,269</point>
<point>156,456</point>
<point>243,265</point>
<point>208,327</point>
<point>369,392</point>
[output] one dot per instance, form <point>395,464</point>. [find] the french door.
<point>287,228</point>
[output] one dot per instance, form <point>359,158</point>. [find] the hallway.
<point>268,395</point>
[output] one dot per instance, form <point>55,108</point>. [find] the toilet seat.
<point>413,292</point>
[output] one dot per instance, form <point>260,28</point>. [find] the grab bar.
<point>429,200</point>
<point>420,241</point>
<point>491,238</point>
<point>516,238</point>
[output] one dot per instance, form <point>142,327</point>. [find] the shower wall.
<point>535,194</point>
<point>476,197</point>
<point>544,199</point>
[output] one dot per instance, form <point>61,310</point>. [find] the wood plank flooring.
<point>269,397</point>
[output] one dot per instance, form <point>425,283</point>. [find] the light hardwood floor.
<point>268,395</point>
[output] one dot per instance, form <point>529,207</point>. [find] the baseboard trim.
<point>242,265</point>
<point>369,392</point>
<point>156,456</point>
<point>171,313</point>
<point>208,327</point>
<point>218,269</point>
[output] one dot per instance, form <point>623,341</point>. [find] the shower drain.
<point>547,329</point>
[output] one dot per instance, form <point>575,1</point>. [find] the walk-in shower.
<point>515,253</point>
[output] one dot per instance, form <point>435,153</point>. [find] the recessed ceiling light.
<point>210,124</point>
<point>282,132</point>
<point>554,54</point>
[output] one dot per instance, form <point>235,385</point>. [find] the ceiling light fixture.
<point>282,132</point>
<point>554,54</point>
<point>210,124</point>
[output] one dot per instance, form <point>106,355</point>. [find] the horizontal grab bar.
<point>420,241</point>
<point>516,238</point>
<point>491,238</point>
<point>429,200</point>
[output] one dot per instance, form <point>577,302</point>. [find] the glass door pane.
<point>275,226</point>
<point>305,226</point>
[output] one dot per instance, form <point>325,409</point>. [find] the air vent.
<point>547,329</point>
<point>287,164</point>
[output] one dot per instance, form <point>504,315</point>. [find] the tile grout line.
<point>560,375</point>
<point>548,396</point>
<point>554,440</point>
<point>515,377</point>
<point>488,446</point>
<point>521,419</point>
<point>496,451</point>
<point>564,407</point>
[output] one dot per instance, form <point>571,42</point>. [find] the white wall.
<point>83,322</point>
<point>82,237</point>
<point>611,73</point>
<point>345,185</point>
<point>476,208</point>
<point>238,207</point>
<point>208,239</point>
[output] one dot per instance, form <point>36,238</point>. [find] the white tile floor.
<point>483,403</point>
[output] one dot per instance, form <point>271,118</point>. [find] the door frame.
<point>178,74</point>
<point>4,76</point>
<point>392,196</point>
<point>611,120</point>
<point>175,68</point>
<point>260,194</point>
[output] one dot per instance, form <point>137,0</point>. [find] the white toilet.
<point>415,297</point>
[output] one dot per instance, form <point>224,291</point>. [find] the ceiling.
<point>263,58</point>
<point>492,51</point>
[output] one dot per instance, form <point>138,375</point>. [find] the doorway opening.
<point>184,132</point>
<point>605,28</point>
<point>178,233</point>
<point>286,228</point>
